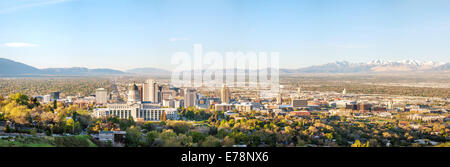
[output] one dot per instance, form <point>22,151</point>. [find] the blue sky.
<point>125,34</point>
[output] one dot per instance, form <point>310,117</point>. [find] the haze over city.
<point>123,35</point>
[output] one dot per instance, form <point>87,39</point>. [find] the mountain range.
<point>376,66</point>
<point>12,68</point>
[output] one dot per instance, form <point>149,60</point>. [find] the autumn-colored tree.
<point>163,117</point>
<point>19,98</point>
<point>357,143</point>
<point>228,142</point>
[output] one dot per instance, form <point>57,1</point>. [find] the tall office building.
<point>101,96</point>
<point>190,97</point>
<point>225,95</point>
<point>141,95</point>
<point>151,91</point>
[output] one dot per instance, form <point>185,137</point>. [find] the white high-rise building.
<point>101,96</point>
<point>133,94</point>
<point>151,91</point>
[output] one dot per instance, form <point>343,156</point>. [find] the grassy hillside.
<point>66,141</point>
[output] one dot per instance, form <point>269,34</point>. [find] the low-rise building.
<point>137,111</point>
<point>223,107</point>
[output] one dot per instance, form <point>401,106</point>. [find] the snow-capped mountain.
<point>404,62</point>
<point>374,66</point>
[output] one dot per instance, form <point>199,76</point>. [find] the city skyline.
<point>124,35</point>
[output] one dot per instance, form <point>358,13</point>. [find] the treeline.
<point>26,114</point>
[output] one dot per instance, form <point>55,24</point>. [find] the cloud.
<point>30,4</point>
<point>20,44</point>
<point>177,39</point>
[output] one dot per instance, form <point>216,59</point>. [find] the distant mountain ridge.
<point>9,67</point>
<point>80,71</point>
<point>13,68</point>
<point>376,66</point>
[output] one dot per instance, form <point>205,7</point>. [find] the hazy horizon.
<point>124,35</point>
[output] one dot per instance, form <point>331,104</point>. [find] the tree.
<point>70,123</point>
<point>329,136</point>
<point>197,136</point>
<point>163,117</point>
<point>17,113</point>
<point>2,116</point>
<point>211,141</point>
<point>19,98</point>
<point>133,137</point>
<point>55,104</point>
<point>357,143</point>
<point>150,137</point>
<point>6,129</point>
<point>170,138</point>
<point>185,140</point>
<point>254,139</point>
<point>228,142</point>
<point>179,126</point>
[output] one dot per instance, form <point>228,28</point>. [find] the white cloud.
<point>20,44</point>
<point>177,39</point>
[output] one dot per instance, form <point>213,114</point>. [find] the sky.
<point>126,34</point>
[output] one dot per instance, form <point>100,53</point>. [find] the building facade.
<point>54,96</point>
<point>137,111</point>
<point>190,98</point>
<point>299,103</point>
<point>133,94</point>
<point>225,95</point>
<point>101,96</point>
<point>151,91</point>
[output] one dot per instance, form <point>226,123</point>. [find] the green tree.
<point>150,137</point>
<point>170,138</point>
<point>197,136</point>
<point>133,137</point>
<point>211,141</point>
<point>185,140</point>
<point>55,104</point>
